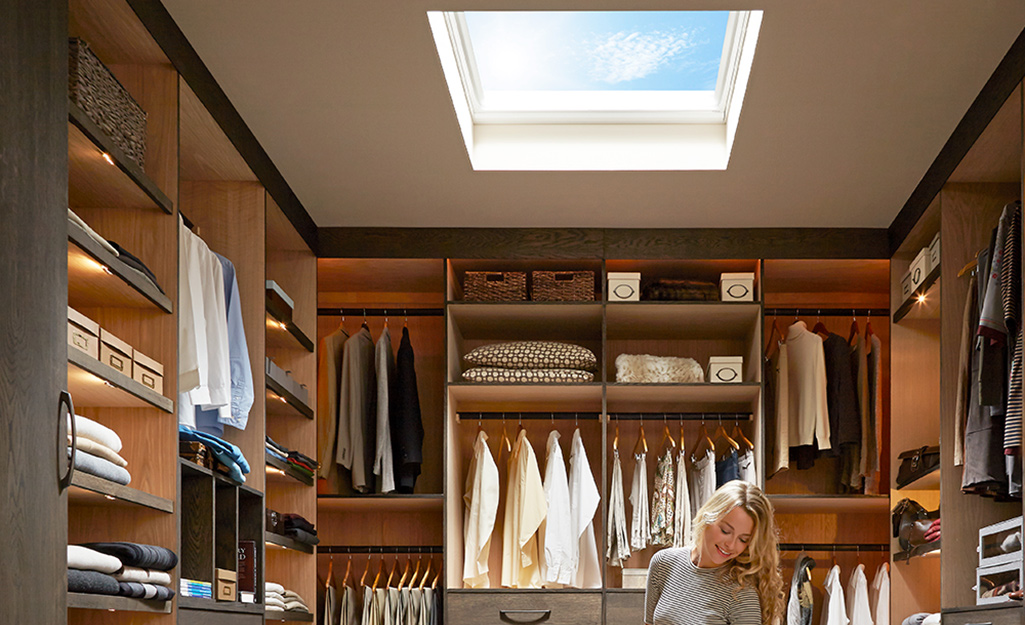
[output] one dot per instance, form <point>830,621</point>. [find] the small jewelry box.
<point>624,286</point>
<point>726,369</point>
<point>737,287</point>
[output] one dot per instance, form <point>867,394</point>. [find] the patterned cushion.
<point>533,355</point>
<point>498,374</point>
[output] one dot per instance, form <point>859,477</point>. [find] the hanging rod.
<point>677,416</point>
<point>380,312</point>
<point>827,312</point>
<point>834,547</point>
<point>538,416</point>
<point>367,549</point>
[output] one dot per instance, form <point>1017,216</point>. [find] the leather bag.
<point>916,463</point>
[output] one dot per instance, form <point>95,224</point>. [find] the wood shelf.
<point>95,385</point>
<point>87,489</point>
<point>188,465</point>
<point>922,290</point>
<point>212,605</point>
<point>289,616</point>
<point>851,504</point>
<point>98,279</point>
<point>290,474</point>
<point>929,481</point>
<point>539,321</point>
<point>291,406</point>
<point>95,183</point>
<point>916,552</point>
<point>727,397</point>
<point>481,397</point>
<point>681,320</point>
<point>381,503</point>
<point>88,601</point>
<point>288,543</point>
<point>282,330</point>
<point>286,335</point>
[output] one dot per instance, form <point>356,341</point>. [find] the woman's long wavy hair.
<point>758,565</point>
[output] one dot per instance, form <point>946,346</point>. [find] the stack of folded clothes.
<point>96,451</point>
<point>280,599</point>
<point>121,568</point>
<point>300,529</point>
<point>301,463</point>
<point>224,452</point>
<point>131,263</point>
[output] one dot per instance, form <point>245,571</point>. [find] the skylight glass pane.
<point>597,50</point>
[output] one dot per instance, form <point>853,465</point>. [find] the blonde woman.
<point>729,573</point>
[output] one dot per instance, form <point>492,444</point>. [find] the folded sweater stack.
<point>280,599</point>
<point>300,463</point>
<point>97,450</point>
<point>227,454</point>
<point>299,528</point>
<point>121,568</point>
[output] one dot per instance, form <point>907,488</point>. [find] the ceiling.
<point>847,106</point>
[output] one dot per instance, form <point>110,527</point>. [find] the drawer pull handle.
<point>539,615</point>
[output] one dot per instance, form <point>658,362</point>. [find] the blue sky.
<point>593,50</point>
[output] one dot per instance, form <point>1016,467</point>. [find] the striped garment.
<point>1010,283</point>
<point>680,593</point>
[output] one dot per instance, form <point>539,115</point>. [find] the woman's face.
<point>726,538</point>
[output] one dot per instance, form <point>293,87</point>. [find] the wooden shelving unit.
<point>289,616</point>
<point>282,403</point>
<point>810,504</point>
<point>86,601</point>
<point>286,542</point>
<point>212,605</point>
<point>921,292</point>
<point>287,472</point>
<point>89,489</point>
<point>96,385</point>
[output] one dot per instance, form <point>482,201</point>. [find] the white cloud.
<point>624,56</point>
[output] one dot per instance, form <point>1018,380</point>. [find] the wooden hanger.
<point>730,446</point>
<point>505,442</point>
<point>773,331</point>
<point>704,443</point>
<point>615,439</point>
<point>363,579</point>
<point>667,436</point>
<point>330,572</point>
<point>820,328</point>
<point>365,325</point>
<point>642,444</point>
<point>423,580</point>
<point>969,266</point>
<point>405,319</point>
<point>380,571</point>
<point>854,331</point>
<point>738,435</point>
<point>394,570</point>
<point>347,578</point>
<point>405,573</point>
<point>416,572</point>
<point>437,576</point>
<point>341,324</point>
<point>682,446</point>
<point>868,327</point>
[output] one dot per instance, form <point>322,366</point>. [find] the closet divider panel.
<point>230,216</point>
<point>969,214</point>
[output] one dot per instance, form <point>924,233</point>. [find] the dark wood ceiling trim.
<point>1008,74</point>
<point>185,59</point>
<point>554,243</point>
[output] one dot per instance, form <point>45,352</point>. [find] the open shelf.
<point>188,465</point>
<point>212,605</point>
<point>95,385</point>
<point>556,321</point>
<point>920,551</point>
<point>283,332</point>
<point>681,320</point>
<point>482,397</point>
<point>288,543</point>
<point>98,279</point>
<point>88,601</point>
<point>289,616</point>
<point>929,481</point>
<point>922,289</point>
<point>381,503</point>
<point>291,406</point>
<point>87,489</point>
<point>95,183</point>
<point>718,396</point>
<point>290,474</point>
<point>854,504</point>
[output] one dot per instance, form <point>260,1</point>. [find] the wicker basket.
<point>495,286</point>
<point>99,94</point>
<point>562,286</point>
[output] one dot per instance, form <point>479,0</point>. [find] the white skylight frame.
<point>605,130</point>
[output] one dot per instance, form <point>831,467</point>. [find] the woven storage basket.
<point>562,286</point>
<point>99,94</point>
<point>495,286</point>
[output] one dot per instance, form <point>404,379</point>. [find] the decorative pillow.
<point>649,369</point>
<point>498,374</point>
<point>533,355</point>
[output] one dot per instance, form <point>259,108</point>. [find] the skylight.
<point>597,90</point>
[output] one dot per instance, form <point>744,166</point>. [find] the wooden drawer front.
<point>527,607</point>
<point>1009,615</point>
<point>624,607</point>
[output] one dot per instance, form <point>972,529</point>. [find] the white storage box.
<point>624,286</point>
<point>993,583</point>
<point>934,252</point>
<point>115,353</point>
<point>1000,543</point>
<point>147,372</point>
<point>905,287</point>
<point>83,333</point>
<point>737,287</point>
<point>726,369</point>
<point>919,268</point>
<point>635,578</point>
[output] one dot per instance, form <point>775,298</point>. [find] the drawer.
<point>1001,615</point>
<point>624,607</point>
<point>523,606</point>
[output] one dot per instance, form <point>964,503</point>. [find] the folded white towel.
<point>87,559</point>
<point>296,605</point>
<point>87,428</point>
<point>274,601</point>
<point>144,576</point>
<point>99,449</point>
<point>275,608</point>
<point>272,587</point>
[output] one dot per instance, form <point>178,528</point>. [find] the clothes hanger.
<point>682,446</point>
<point>380,571</point>
<point>868,327</point>
<point>738,435</point>
<point>363,579</point>
<point>341,324</point>
<point>615,439</point>
<point>427,572</point>
<point>969,266</point>
<point>505,442</point>
<point>642,444</point>
<point>365,325</point>
<point>704,443</point>
<point>330,572</point>
<point>405,318</point>
<point>405,573</point>
<point>394,569</point>
<point>416,573</point>
<point>820,328</point>
<point>731,445</point>
<point>774,330</point>
<point>347,579</point>
<point>437,576</point>
<point>667,436</point>
<point>854,329</point>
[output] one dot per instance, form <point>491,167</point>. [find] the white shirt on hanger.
<point>640,526</point>
<point>525,508</point>
<point>682,516</point>
<point>584,499</point>
<point>879,595</point>
<point>859,612</point>
<point>618,542</point>
<point>746,462</point>
<point>806,388</point>
<point>834,610</point>
<point>559,545</point>
<point>781,450</point>
<point>702,477</point>
<point>480,501</point>
<point>384,464</point>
